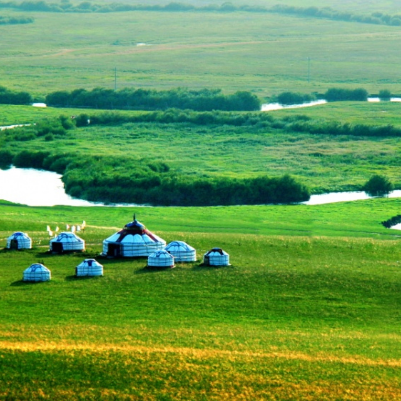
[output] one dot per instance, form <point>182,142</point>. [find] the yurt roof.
<point>179,246</point>
<point>19,234</point>
<point>37,267</point>
<point>217,250</point>
<point>135,232</point>
<point>90,262</point>
<point>67,237</point>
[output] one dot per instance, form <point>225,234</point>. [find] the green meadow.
<point>308,309</point>
<point>199,50</point>
<point>322,162</point>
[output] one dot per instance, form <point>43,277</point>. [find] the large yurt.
<point>37,272</point>
<point>66,242</point>
<point>216,257</point>
<point>89,268</point>
<point>19,240</point>
<point>161,259</point>
<point>133,240</point>
<point>181,251</point>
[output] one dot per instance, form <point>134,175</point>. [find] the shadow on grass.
<point>21,283</point>
<point>202,266</point>
<point>148,269</point>
<point>81,278</point>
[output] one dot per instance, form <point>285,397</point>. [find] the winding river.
<point>43,188</point>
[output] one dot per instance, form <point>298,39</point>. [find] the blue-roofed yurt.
<point>19,240</point>
<point>66,242</point>
<point>133,240</point>
<point>216,257</point>
<point>161,259</point>
<point>36,273</point>
<point>89,268</point>
<point>181,251</point>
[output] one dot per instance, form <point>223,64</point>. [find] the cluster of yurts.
<point>134,240</point>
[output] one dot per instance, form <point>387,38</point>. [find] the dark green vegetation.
<point>112,7</point>
<point>207,149</point>
<point>15,20</point>
<point>11,97</point>
<point>203,100</point>
<point>295,317</point>
<point>378,186</point>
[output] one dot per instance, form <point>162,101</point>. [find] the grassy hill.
<point>309,309</point>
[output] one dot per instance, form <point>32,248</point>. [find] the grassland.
<point>309,309</point>
<point>68,51</point>
<point>323,162</point>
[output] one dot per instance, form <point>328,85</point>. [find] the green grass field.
<point>322,162</point>
<point>309,309</point>
<point>197,50</point>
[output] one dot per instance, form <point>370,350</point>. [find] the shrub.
<point>385,94</point>
<point>378,185</point>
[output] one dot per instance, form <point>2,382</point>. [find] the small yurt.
<point>181,251</point>
<point>161,259</point>
<point>89,268</point>
<point>19,240</point>
<point>37,272</point>
<point>216,257</point>
<point>66,242</point>
<point>132,241</point>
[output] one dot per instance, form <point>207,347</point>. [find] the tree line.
<point>151,99</point>
<point>15,20</point>
<point>331,95</point>
<point>151,182</point>
<point>11,97</point>
<point>226,7</point>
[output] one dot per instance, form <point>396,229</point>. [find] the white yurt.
<point>89,268</point>
<point>66,242</point>
<point>161,259</point>
<point>216,257</point>
<point>37,272</point>
<point>19,240</point>
<point>132,241</point>
<point>181,251</point>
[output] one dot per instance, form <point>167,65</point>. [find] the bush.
<point>385,94</point>
<point>294,98</point>
<point>340,94</point>
<point>378,185</point>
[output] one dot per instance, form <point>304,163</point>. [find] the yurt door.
<point>114,250</point>
<point>14,244</point>
<point>57,247</point>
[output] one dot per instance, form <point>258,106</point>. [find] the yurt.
<point>19,240</point>
<point>132,241</point>
<point>37,272</point>
<point>66,242</point>
<point>181,251</point>
<point>89,268</point>
<point>216,257</point>
<point>161,259</point>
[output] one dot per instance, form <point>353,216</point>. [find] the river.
<point>43,188</point>
<point>38,188</point>
<point>278,106</point>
